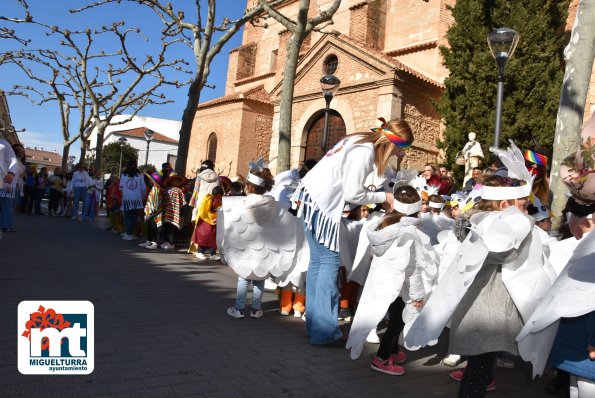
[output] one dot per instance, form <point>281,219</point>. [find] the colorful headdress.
<point>258,165</point>
<point>513,159</point>
<point>392,137</point>
<point>536,158</point>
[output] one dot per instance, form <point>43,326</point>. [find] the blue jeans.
<point>257,290</point>
<point>79,194</point>
<point>89,207</point>
<point>322,308</point>
<point>130,219</point>
<point>6,212</point>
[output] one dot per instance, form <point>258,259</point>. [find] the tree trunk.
<point>286,105</point>
<point>65,152</point>
<point>579,56</point>
<point>186,128</point>
<point>99,148</point>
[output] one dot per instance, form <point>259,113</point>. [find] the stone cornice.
<point>251,79</point>
<point>413,48</point>
<point>342,90</point>
<point>358,5</point>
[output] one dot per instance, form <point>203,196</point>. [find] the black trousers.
<point>390,341</point>
<point>478,374</point>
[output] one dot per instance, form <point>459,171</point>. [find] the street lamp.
<point>122,141</point>
<point>149,134</point>
<point>502,43</point>
<point>329,84</point>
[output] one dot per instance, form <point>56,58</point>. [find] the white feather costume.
<point>258,238</point>
<point>401,254</point>
<point>571,295</point>
<point>363,254</point>
<point>526,276</point>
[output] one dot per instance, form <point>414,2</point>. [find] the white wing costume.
<point>432,224</point>
<point>363,254</point>
<point>257,237</point>
<point>402,253</point>
<point>571,295</point>
<point>348,241</point>
<point>527,276</point>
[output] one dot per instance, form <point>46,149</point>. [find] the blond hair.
<point>383,147</point>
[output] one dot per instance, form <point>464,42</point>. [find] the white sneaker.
<point>128,237</point>
<point>256,313</point>
<point>373,337</point>
<point>200,256</point>
<point>152,246</point>
<point>297,314</point>
<point>284,313</point>
<point>451,360</point>
<point>215,257</point>
<point>167,246</point>
<point>145,243</point>
<point>234,312</point>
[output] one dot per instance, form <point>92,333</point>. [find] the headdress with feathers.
<point>514,161</point>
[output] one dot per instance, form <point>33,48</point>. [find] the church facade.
<point>386,54</point>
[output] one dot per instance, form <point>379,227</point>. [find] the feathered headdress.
<point>513,160</point>
<point>258,165</point>
<point>424,190</point>
<point>393,184</point>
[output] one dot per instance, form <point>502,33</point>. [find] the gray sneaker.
<point>256,313</point>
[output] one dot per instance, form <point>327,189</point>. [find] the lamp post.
<point>502,43</point>
<point>122,141</point>
<point>149,134</point>
<point>329,84</point>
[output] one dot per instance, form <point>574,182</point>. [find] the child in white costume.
<point>257,238</point>
<point>494,282</point>
<point>338,178</point>
<point>401,253</point>
<point>564,321</point>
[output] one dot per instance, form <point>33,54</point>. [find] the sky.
<point>41,124</point>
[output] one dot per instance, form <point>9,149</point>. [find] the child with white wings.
<point>257,238</point>
<point>401,272</point>
<point>494,282</point>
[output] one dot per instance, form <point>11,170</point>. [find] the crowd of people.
<point>355,238</point>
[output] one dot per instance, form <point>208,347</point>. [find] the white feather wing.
<point>382,287</point>
<point>428,326</point>
<point>570,296</point>
<point>255,249</point>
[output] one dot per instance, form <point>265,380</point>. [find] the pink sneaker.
<point>458,374</point>
<point>387,366</point>
<point>399,358</point>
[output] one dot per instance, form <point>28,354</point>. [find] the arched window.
<point>212,147</point>
<point>329,66</point>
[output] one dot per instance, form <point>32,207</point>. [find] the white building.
<point>163,147</point>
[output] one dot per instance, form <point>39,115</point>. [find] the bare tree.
<point>200,39</point>
<point>579,55</point>
<point>114,100</point>
<point>300,28</point>
<point>117,88</point>
<point>65,89</point>
<point>7,33</point>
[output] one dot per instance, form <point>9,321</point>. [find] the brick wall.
<point>367,24</point>
<point>246,61</point>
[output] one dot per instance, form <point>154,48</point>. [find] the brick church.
<point>385,52</point>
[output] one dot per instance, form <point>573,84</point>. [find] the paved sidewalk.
<point>161,328</point>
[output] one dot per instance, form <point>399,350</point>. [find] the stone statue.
<point>473,155</point>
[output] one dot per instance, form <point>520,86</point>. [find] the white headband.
<point>505,193</point>
<point>407,208</point>
<point>435,205</point>
<point>256,180</point>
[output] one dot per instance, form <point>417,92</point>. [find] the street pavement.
<point>161,329</point>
